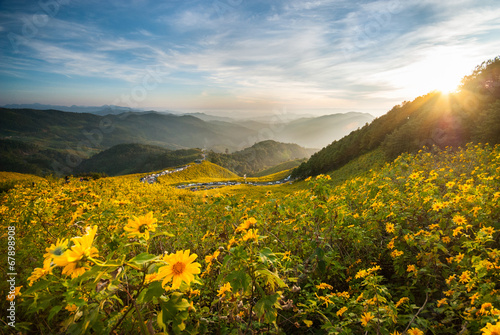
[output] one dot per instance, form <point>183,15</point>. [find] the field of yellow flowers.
<point>412,248</point>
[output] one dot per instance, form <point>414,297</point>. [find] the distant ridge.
<point>98,110</point>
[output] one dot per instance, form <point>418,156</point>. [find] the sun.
<point>438,69</point>
<point>441,73</point>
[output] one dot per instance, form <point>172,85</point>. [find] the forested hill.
<point>472,114</point>
<point>91,133</point>
<point>136,158</point>
<point>260,156</point>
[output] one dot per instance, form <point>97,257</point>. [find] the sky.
<point>240,57</point>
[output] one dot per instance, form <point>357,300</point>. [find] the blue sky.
<point>241,56</point>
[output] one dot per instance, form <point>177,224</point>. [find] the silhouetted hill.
<point>473,114</point>
<point>260,156</point>
<point>99,110</point>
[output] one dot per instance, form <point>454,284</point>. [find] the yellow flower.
<point>341,311</point>
<point>180,269</point>
<point>396,253</point>
<point>361,274</point>
<point>211,258</point>
<point>415,331</point>
<point>344,295</point>
<point>473,298</point>
<point>151,277</point>
<point>194,293</point>
<point>465,277</point>
<point>491,329</point>
<point>325,300</point>
<point>17,292</point>
<point>75,269</point>
<point>365,318</point>
<point>402,301</point>
<point>411,268</point>
<point>141,226</point>
<point>450,278</point>
<point>488,230</point>
<point>323,286</point>
<point>73,259</point>
<point>251,235</point>
<point>56,250</point>
<point>457,231</point>
<point>485,308</point>
<point>449,293</point>
<point>441,302</point>
<point>40,272</point>
<point>389,227</point>
<point>231,242</point>
<point>71,308</point>
<point>246,225</point>
<point>459,257</point>
<point>459,220</point>
<point>437,206</point>
<point>446,239</point>
<point>225,288</point>
<point>286,256</point>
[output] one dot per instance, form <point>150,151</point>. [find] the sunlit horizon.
<point>244,58</point>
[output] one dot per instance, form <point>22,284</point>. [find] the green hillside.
<point>89,133</point>
<point>472,114</point>
<point>136,158</point>
<point>22,157</point>
<point>280,167</point>
<point>199,173</point>
<point>260,156</point>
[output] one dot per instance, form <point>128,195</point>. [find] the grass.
<point>285,166</point>
<point>9,180</point>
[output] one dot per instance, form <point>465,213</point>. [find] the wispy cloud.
<point>320,53</point>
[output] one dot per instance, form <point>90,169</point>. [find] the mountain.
<point>17,156</point>
<point>310,132</point>
<point>260,156</point>
<point>318,132</point>
<point>99,110</point>
<point>88,133</point>
<point>472,114</point>
<point>208,117</point>
<point>136,158</point>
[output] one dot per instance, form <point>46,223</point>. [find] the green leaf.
<point>267,256</point>
<point>163,233</point>
<point>266,307</point>
<point>271,278</point>
<point>53,311</point>
<point>172,311</point>
<point>142,258</point>
<point>239,280</point>
<point>154,290</point>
